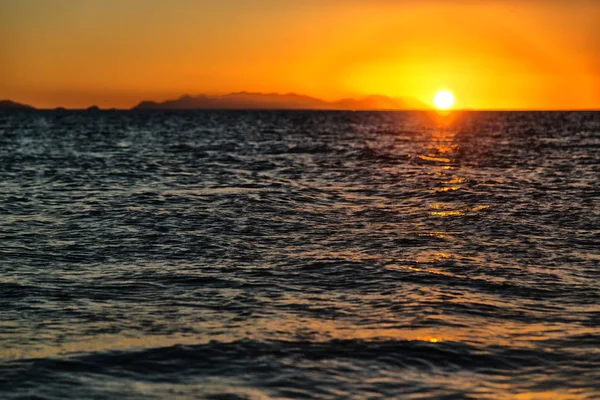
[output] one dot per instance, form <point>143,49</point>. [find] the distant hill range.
<point>12,105</point>
<point>289,101</point>
<point>259,101</point>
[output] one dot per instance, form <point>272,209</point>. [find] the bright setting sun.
<point>443,99</point>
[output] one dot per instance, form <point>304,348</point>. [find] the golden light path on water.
<point>430,282</point>
<point>440,151</point>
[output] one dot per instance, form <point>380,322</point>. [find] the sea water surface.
<point>268,255</point>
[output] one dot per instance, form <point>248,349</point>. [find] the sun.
<point>443,100</point>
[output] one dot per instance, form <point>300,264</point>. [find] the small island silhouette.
<point>13,105</point>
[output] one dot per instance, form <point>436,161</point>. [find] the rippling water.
<point>251,255</point>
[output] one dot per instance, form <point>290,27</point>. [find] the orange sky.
<point>540,54</point>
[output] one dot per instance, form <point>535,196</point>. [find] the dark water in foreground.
<point>251,255</point>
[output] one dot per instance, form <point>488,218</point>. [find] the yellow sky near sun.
<point>542,54</point>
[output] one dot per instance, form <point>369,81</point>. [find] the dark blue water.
<point>256,255</point>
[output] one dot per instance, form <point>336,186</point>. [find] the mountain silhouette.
<point>13,105</point>
<point>259,101</point>
<point>288,101</point>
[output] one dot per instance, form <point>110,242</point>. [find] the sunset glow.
<point>539,54</point>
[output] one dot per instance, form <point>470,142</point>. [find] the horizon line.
<point>284,108</point>
<point>95,108</point>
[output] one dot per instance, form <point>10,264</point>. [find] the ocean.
<point>299,254</point>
